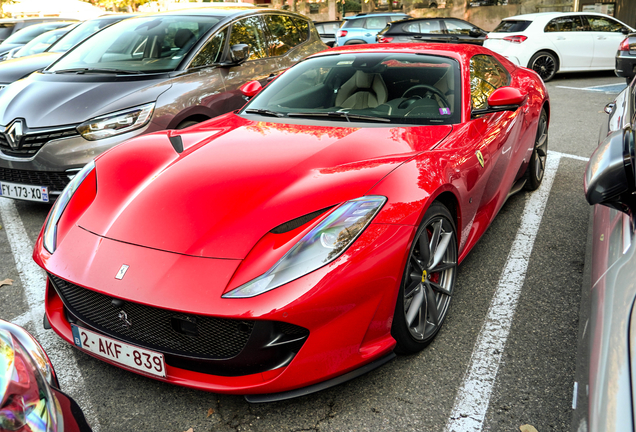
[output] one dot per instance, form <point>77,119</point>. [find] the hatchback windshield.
<point>367,87</point>
<point>138,45</point>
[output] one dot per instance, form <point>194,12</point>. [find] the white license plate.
<point>24,192</point>
<point>140,359</point>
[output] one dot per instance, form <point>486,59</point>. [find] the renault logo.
<point>15,133</point>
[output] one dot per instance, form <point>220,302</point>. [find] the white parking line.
<point>33,280</point>
<point>473,397</point>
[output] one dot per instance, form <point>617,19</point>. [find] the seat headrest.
<point>363,79</point>
<point>182,37</point>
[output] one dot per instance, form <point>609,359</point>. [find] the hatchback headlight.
<point>50,227</point>
<point>116,123</point>
<point>323,244</point>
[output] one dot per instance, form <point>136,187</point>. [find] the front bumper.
<point>340,315</point>
<point>54,162</point>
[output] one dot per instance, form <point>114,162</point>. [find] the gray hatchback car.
<point>144,74</point>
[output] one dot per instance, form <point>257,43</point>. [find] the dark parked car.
<point>15,69</point>
<point>327,31</point>
<point>604,390</point>
<point>8,26</point>
<point>144,74</point>
<point>26,35</point>
<point>626,58</point>
<point>30,395</point>
<point>38,44</point>
<point>445,30</point>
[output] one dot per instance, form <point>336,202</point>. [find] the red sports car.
<point>302,240</point>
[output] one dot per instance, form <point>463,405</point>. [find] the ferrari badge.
<point>480,158</point>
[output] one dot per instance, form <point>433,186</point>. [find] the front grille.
<point>55,181</point>
<point>30,143</point>
<point>154,328</point>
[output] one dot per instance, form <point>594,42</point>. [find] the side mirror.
<point>250,89</point>
<point>503,99</point>
<point>609,175</point>
<point>239,53</point>
<point>625,31</point>
<point>475,32</point>
<point>507,97</point>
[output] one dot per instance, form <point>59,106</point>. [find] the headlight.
<point>26,401</point>
<point>50,228</point>
<point>116,123</point>
<point>323,244</point>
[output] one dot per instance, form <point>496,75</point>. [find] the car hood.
<point>49,100</point>
<point>238,179</point>
<point>15,69</point>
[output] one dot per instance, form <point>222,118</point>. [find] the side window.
<point>250,31</point>
<point>303,27</point>
<point>430,26</point>
<point>603,24</point>
<point>375,23</point>
<point>285,34</point>
<point>458,27</point>
<point>212,51</point>
<point>411,27</point>
<point>565,24</point>
<point>486,76</point>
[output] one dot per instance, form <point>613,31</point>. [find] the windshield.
<point>42,42</point>
<point>148,44</point>
<point>512,26</point>
<point>25,35</point>
<point>5,30</point>
<point>80,33</point>
<point>374,87</point>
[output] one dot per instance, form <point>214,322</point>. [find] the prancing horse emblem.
<point>121,272</point>
<point>480,158</point>
<point>124,319</point>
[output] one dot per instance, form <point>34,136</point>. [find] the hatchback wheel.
<point>427,283</point>
<point>545,64</point>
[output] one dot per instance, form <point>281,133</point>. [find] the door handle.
<point>368,35</point>
<point>601,38</point>
<point>560,38</point>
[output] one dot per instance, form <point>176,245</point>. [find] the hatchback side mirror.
<point>239,53</point>
<point>475,32</point>
<point>609,175</point>
<point>625,31</point>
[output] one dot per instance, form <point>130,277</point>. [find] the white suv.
<point>552,42</point>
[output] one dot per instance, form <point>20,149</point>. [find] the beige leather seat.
<point>362,90</point>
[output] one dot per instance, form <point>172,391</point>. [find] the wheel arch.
<point>548,50</point>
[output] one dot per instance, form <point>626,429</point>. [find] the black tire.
<point>186,124</point>
<point>545,64</point>
<point>426,281</point>
<point>536,167</point>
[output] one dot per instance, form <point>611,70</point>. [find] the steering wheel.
<point>427,90</point>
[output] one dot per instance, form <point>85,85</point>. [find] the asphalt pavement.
<point>529,378</point>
